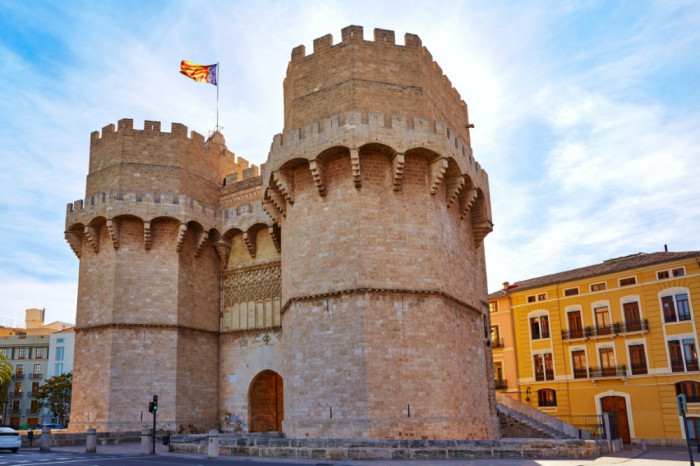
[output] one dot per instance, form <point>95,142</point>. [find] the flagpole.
<point>218,77</point>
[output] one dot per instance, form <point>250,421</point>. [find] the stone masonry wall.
<point>385,365</point>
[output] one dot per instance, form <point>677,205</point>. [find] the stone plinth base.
<point>344,449</point>
<point>424,428</point>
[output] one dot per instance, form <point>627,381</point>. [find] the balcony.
<point>16,394</point>
<point>19,376</point>
<point>690,365</point>
<point>500,384</point>
<point>581,373</point>
<point>606,330</point>
<point>638,369</point>
<point>603,372</point>
<point>35,376</point>
<point>548,375</point>
<point>497,343</point>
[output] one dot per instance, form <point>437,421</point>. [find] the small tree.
<point>55,394</point>
<point>5,382</point>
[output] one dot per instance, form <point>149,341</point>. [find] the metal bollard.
<point>146,442</point>
<point>91,441</point>
<point>45,439</point>
<point>213,449</point>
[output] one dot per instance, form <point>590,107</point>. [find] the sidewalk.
<point>631,455</point>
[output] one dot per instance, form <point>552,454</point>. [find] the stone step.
<point>533,423</point>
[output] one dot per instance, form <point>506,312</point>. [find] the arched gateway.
<point>265,402</point>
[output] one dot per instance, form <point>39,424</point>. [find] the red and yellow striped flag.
<point>200,73</point>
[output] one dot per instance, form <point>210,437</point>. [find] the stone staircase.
<point>519,420</point>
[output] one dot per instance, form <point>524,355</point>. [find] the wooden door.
<point>618,404</point>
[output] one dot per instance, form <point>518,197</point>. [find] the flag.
<point>200,73</point>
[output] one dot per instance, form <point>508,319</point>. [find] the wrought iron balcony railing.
<point>611,371</point>
<point>497,343</point>
<point>606,330</point>
<point>500,384</point>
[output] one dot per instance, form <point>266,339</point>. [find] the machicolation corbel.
<point>437,173</point>
<point>201,241</point>
<point>397,164</point>
<point>92,235</point>
<point>250,243</point>
<point>147,235</point>
<point>181,236</point>
<point>113,230</point>
<point>355,163</point>
<point>318,172</point>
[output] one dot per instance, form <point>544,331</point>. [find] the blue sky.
<point>587,114</point>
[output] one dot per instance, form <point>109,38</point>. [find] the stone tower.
<point>382,211</point>
<point>342,293</point>
<point>148,293</point>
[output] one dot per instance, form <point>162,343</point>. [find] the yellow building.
<point>620,335</point>
<point>505,362</point>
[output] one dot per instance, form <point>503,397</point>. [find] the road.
<point>128,454</point>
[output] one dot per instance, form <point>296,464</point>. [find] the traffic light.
<point>155,403</point>
<point>150,407</point>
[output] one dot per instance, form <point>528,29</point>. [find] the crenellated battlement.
<point>150,205</point>
<point>354,129</point>
<point>126,126</point>
<point>403,79</point>
<point>130,159</point>
<point>382,37</point>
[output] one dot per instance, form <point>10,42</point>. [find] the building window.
<point>546,397</point>
<point>39,353</point>
<point>36,374</point>
<point>607,361</point>
<point>18,388</point>
<point>59,353</point>
<point>684,355</point>
<point>59,368</point>
<point>638,359</point>
<point>544,369</point>
<point>542,297</point>
<point>691,390</point>
<point>35,387</point>
<point>19,371</point>
<point>496,341</point>
<point>628,281</point>
<point>578,358</point>
<point>633,321</point>
<point>5,352</point>
<point>575,324</point>
<point>531,299</point>
<point>678,272</point>
<point>59,340</point>
<point>602,320</point>
<point>676,307</point>
<point>598,287</point>
<point>22,353</point>
<point>662,275</point>
<point>34,407</point>
<point>493,306</point>
<point>571,292</point>
<point>539,327</point>
<point>498,372</point>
